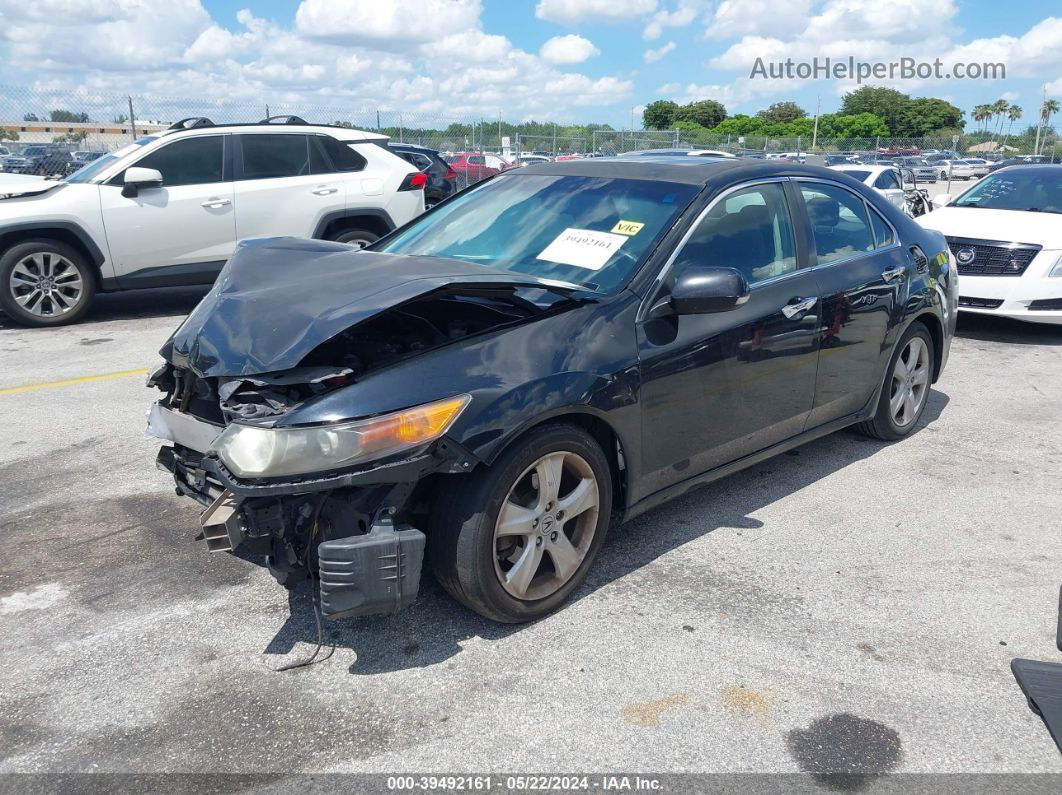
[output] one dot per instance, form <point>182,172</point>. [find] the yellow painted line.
<point>87,379</point>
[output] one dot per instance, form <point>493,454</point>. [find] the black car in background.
<point>559,348</point>
<point>44,160</point>
<point>1027,160</point>
<point>442,180</point>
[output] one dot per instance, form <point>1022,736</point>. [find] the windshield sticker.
<point>583,248</point>
<point>629,228</point>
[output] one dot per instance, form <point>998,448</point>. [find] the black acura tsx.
<point>556,349</point>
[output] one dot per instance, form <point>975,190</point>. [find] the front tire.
<point>45,283</point>
<point>906,389</point>
<point>512,541</point>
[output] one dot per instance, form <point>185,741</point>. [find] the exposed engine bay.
<point>413,328</point>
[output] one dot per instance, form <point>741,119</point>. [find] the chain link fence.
<point>83,123</point>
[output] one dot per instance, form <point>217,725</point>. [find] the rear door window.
<point>273,156</point>
<point>838,220</point>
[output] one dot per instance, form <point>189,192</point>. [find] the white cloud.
<point>685,12</point>
<point>568,49</point>
<point>385,21</point>
<point>432,59</point>
<point>760,18</point>
<point>572,12</point>
<point>652,56</point>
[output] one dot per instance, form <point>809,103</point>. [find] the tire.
<point>885,423</point>
<point>358,238</point>
<point>483,571</point>
<point>69,283</point>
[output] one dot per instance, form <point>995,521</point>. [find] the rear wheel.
<point>358,238</point>
<point>906,388</point>
<point>45,283</point>
<point>513,541</point>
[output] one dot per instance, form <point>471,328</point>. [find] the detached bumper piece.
<point>378,572</point>
<point>1041,682</point>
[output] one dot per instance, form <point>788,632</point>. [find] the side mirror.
<point>941,200</point>
<point>907,178</point>
<point>137,179</point>
<point>701,290</point>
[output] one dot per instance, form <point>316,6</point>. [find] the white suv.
<point>168,209</point>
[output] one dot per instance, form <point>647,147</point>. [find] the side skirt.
<point>677,490</point>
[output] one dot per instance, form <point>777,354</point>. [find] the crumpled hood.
<point>1043,229</point>
<point>279,298</point>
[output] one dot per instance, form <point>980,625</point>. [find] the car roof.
<point>413,147</point>
<point>339,133</point>
<point>1046,169</point>
<point>683,170</point>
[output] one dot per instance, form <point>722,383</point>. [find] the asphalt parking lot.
<point>851,605</point>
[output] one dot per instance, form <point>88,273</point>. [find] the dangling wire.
<point>315,595</point>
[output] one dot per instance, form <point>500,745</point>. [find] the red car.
<point>473,166</point>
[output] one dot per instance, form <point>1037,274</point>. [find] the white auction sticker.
<point>583,248</point>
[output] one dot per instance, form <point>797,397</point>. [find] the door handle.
<point>324,190</point>
<point>798,306</point>
<point>214,203</point>
<point>893,273</point>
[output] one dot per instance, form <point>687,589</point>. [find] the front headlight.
<point>253,452</point>
<point>1056,269</point>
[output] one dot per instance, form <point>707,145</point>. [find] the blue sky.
<point>565,60</point>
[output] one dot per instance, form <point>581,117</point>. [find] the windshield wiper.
<point>1042,210</point>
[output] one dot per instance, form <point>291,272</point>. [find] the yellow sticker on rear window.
<point>628,228</point>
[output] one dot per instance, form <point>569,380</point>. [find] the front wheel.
<point>513,541</point>
<point>358,238</point>
<point>45,283</point>
<point>906,388</point>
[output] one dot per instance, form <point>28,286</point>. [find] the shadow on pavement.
<point>433,629</point>
<point>156,302</point>
<point>1003,329</point>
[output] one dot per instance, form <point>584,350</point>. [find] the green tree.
<point>30,117</point>
<point>707,113</point>
<point>8,135</point>
<point>922,115</point>
<point>885,103</point>
<point>68,116</point>
<point>659,115</point>
<point>782,112</point>
<point>855,125</point>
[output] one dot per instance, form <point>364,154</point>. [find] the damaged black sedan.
<point>556,349</point>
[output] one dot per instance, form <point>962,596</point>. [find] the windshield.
<point>34,150</point>
<point>856,174</point>
<point>103,162</point>
<point>589,231</point>
<point>1026,188</point>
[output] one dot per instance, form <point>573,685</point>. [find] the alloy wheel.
<point>910,382</point>
<point>546,526</point>
<point>46,284</point>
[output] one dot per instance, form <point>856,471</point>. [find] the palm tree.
<point>1049,107</point>
<point>999,108</point>
<point>1013,113</point>
<point>980,113</point>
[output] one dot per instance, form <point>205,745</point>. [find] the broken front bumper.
<point>348,526</point>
